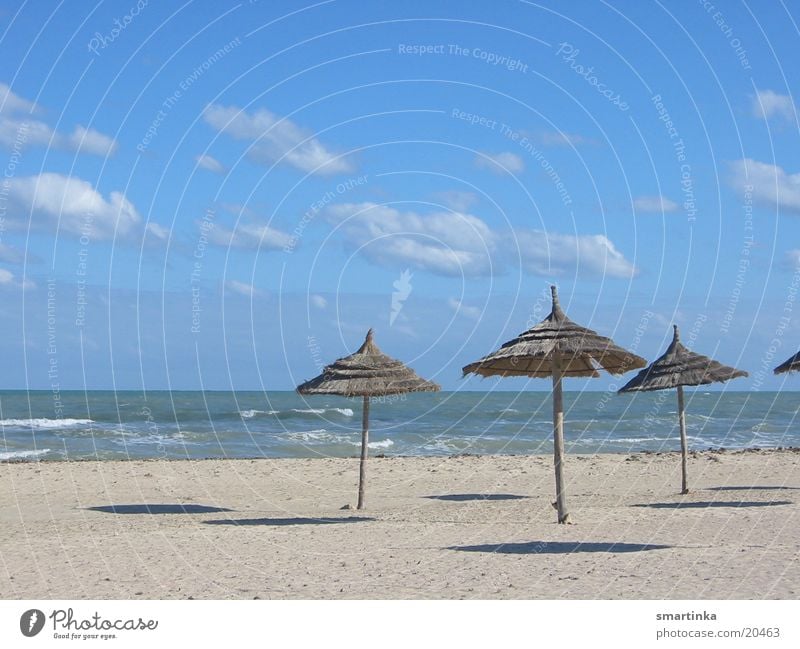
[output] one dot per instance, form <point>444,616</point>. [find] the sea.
<point>106,425</point>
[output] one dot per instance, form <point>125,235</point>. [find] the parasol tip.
<point>368,346</point>
<point>557,312</point>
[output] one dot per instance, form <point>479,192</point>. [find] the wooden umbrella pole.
<point>362,470</point>
<point>558,439</point>
<point>682,422</point>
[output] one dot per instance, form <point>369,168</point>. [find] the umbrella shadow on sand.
<point>366,373</point>
<point>558,547</point>
<point>675,368</point>
<point>279,522</point>
<point>469,497</point>
<point>715,503</point>
<point>753,488</point>
<point>157,509</point>
<point>557,348</point>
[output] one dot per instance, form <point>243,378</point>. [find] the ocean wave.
<point>318,434</point>
<point>347,412</point>
<point>19,455</point>
<point>174,439</point>
<point>249,414</point>
<point>296,412</point>
<point>628,440</point>
<point>386,443</point>
<point>44,423</point>
<point>448,445</point>
<point>323,436</point>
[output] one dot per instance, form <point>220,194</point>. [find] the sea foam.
<point>42,422</point>
<point>19,455</point>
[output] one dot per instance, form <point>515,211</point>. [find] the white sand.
<point>53,546</point>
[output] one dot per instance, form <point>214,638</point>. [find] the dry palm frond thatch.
<point>789,365</point>
<point>366,373</point>
<point>679,366</point>
<point>557,348</point>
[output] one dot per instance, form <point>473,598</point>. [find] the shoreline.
<point>476,527</point>
<point>384,456</point>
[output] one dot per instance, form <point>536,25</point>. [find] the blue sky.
<point>227,195</point>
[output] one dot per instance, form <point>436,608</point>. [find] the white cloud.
<point>768,103</point>
<point>7,278</point>
<point>87,140</point>
<point>767,184</point>
<point>549,253</point>
<point>242,288</point>
<point>457,200</point>
<point>11,255</point>
<point>448,243</point>
<point>18,131</point>
<point>456,244</point>
<point>158,231</point>
<point>10,102</point>
<point>791,260</point>
<point>237,209</point>
<point>210,164</point>
<point>52,201</point>
<point>318,301</point>
<point>471,312</point>
<point>500,162</point>
<point>249,236</point>
<point>654,204</point>
<point>275,139</point>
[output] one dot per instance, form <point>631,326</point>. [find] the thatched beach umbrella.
<point>676,368</point>
<point>557,347</point>
<point>366,373</point>
<point>789,365</point>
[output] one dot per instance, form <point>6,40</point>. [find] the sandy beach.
<point>459,527</point>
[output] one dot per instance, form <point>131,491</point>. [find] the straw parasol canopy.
<point>789,365</point>
<point>366,373</point>
<point>677,367</point>
<point>557,348</point>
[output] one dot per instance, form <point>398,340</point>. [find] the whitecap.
<point>383,444</point>
<point>175,439</point>
<point>316,435</point>
<point>347,412</point>
<point>44,423</point>
<point>14,455</point>
<point>249,414</point>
